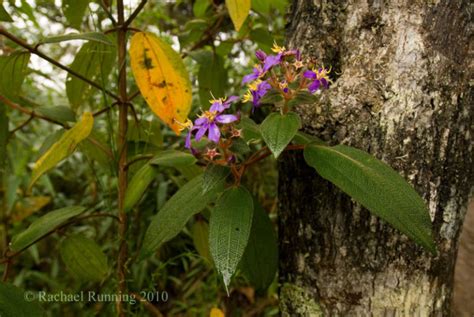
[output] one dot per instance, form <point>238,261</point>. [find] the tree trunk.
<point>401,92</point>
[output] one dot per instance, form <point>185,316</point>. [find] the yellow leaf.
<point>238,11</point>
<point>162,78</point>
<point>216,312</point>
<point>64,147</point>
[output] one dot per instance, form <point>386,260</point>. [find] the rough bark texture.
<point>401,92</point>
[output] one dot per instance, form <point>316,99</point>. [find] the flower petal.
<point>232,99</point>
<point>202,130</point>
<point>309,74</point>
<point>260,55</point>
<point>314,86</point>
<point>187,143</point>
<point>214,133</point>
<point>270,61</point>
<point>201,121</point>
<point>325,83</point>
<point>217,106</point>
<point>226,118</point>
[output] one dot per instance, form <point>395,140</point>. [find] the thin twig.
<point>107,12</point>
<point>122,161</point>
<point>103,110</point>
<point>135,13</point>
<point>29,112</point>
<point>21,126</point>
<point>132,96</point>
<point>138,158</point>
<point>35,51</point>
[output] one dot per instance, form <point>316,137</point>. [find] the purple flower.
<point>222,104</point>
<point>260,55</point>
<point>256,73</point>
<point>318,78</point>
<point>271,60</point>
<point>256,92</point>
<point>207,123</point>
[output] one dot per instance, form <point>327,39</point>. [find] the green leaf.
<point>229,230</point>
<point>278,131</point>
<point>250,130</point>
<point>376,186</point>
<point>74,11</point>
<point>200,8</point>
<point>43,226</point>
<point>15,302</point>
<point>137,186</point>
<point>304,138</point>
<point>262,6</point>
<point>93,61</point>
<point>238,11</point>
<point>263,38</point>
<point>83,258</point>
<point>13,68</point>
<point>173,158</point>
<point>214,175</point>
<point>212,77</point>
<point>302,97</point>
<point>4,16</point>
<point>240,147</point>
<point>200,235</point>
<point>169,221</point>
<point>59,113</point>
<point>148,131</point>
<point>190,172</point>
<point>260,260</point>
<point>63,148</point>
<point>92,36</point>
<point>273,96</point>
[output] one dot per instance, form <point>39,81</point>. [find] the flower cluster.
<point>285,73</point>
<point>281,70</point>
<point>211,123</point>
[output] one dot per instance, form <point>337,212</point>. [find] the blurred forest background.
<point>217,57</point>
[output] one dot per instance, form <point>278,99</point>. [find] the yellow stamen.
<point>278,49</point>
<point>247,97</point>
<point>253,86</point>
<point>210,115</point>
<point>188,124</point>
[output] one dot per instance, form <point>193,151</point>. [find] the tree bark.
<point>401,91</point>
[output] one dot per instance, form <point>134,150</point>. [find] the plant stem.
<point>35,51</point>
<point>122,151</point>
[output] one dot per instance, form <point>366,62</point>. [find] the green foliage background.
<point>216,56</point>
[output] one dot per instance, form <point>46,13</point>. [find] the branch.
<point>21,126</point>
<point>107,12</point>
<point>135,13</point>
<point>35,51</point>
<point>122,161</point>
<point>33,114</point>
